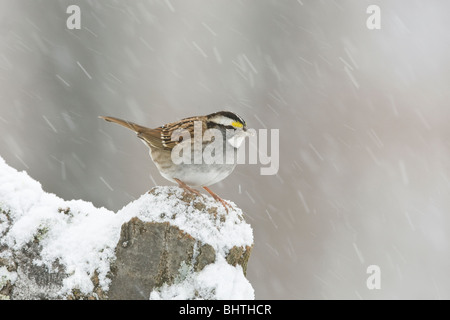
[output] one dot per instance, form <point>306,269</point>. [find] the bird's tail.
<point>127,124</point>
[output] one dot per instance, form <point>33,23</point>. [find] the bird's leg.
<point>187,188</point>
<point>217,198</point>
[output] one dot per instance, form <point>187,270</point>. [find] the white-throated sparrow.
<point>163,141</point>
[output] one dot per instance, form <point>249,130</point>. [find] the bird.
<point>166,142</point>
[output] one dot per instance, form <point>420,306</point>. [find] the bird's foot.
<point>188,189</point>
<point>225,204</point>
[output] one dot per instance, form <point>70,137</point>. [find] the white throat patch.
<point>238,138</point>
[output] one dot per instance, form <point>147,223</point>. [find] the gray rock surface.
<point>150,254</point>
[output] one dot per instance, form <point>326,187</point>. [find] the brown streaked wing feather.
<point>161,137</point>
<point>152,137</point>
<point>186,124</point>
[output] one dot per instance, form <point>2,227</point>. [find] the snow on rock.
<point>211,224</point>
<point>207,285</point>
<point>79,236</point>
<point>80,239</point>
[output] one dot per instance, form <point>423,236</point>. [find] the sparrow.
<point>189,137</point>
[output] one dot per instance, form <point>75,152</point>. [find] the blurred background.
<point>364,175</point>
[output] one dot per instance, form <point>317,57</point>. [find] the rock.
<point>166,244</point>
<point>206,256</point>
<point>239,256</point>
<point>152,254</point>
<point>148,255</point>
<point>34,281</point>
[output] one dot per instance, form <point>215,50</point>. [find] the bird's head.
<point>231,123</point>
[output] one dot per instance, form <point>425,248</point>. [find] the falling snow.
<point>362,114</point>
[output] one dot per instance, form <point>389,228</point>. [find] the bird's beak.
<point>249,133</point>
<point>239,137</point>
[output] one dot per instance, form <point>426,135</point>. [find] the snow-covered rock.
<point>56,249</point>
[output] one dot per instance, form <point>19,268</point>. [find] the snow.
<point>5,276</point>
<point>206,285</point>
<point>222,234</point>
<point>82,237</point>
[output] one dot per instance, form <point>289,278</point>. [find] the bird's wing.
<point>171,134</point>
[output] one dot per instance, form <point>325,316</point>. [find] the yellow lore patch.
<point>237,124</point>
